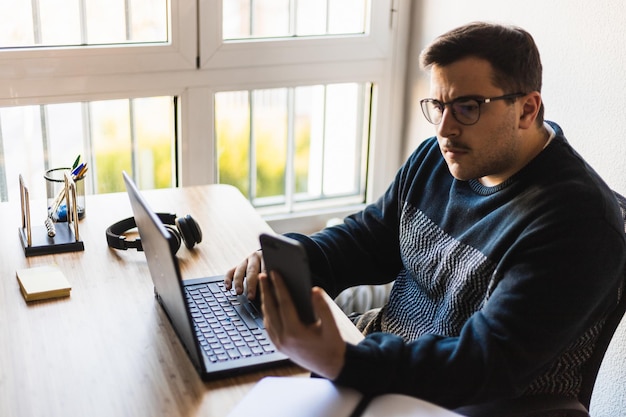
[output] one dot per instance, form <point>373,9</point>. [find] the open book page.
<point>397,405</point>
<point>297,396</point>
<point>317,397</point>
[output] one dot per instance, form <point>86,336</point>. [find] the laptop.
<point>222,332</point>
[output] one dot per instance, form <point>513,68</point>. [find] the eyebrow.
<point>470,97</point>
<point>467,97</point>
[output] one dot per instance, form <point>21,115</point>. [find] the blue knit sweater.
<point>499,291</point>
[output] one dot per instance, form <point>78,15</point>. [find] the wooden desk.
<point>108,349</point>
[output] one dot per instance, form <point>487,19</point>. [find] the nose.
<point>449,127</point>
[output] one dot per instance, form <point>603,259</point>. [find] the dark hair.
<point>510,50</point>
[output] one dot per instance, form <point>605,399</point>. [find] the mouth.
<point>451,150</point>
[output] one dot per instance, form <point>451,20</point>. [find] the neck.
<point>532,142</point>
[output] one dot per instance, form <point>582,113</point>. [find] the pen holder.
<point>55,192</point>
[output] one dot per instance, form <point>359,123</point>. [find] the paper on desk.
<point>42,282</point>
<point>297,397</point>
<point>398,405</point>
<point>317,397</point>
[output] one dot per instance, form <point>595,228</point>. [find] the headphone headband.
<point>115,233</point>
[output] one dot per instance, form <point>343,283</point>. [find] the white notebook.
<point>317,397</point>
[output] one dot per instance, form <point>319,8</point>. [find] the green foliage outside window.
<point>233,140</point>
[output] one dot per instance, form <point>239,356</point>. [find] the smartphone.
<point>288,257</point>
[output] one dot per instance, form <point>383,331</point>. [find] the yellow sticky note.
<point>43,282</point>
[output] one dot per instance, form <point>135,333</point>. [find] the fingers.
<point>247,271</point>
<point>317,347</point>
<point>253,268</point>
<point>270,308</point>
<point>288,313</point>
<point>332,361</point>
<point>278,309</point>
<point>228,278</point>
<point>320,306</point>
<point>234,277</point>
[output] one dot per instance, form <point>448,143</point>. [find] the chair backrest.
<point>608,330</point>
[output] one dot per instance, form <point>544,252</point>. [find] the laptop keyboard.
<point>225,332</point>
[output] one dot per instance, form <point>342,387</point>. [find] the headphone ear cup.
<point>189,230</point>
<point>174,238</point>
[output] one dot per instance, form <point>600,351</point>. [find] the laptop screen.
<point>164,269</point>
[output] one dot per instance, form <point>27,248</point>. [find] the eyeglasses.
<point>466,110</point>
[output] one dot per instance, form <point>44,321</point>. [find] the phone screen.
<point>289,259</point>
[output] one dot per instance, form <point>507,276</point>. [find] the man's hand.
<point>317,347</point>
<point>248,270</point>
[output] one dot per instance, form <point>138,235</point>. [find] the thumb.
<point>321,307</point>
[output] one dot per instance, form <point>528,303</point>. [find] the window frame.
<point>379,56</point>
<point>260,52</point>
<point>19,67</point>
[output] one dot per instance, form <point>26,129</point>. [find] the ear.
<point>530,105</point>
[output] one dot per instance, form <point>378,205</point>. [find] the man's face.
<point>488,150</point>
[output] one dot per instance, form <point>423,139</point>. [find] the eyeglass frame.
<point>451,103</point>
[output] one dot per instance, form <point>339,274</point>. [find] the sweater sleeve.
<point>365,248</point>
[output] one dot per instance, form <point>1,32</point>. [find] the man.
<point>506,248</point>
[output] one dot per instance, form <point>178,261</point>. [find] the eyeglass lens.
<point>465,111</point>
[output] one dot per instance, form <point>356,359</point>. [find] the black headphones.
<point>182,229</point>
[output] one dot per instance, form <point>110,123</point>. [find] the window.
<point>134,135</point>
<point>294,145</point>
<point>63,38</point>
<point>180,92</point>
<point>247,19</point>
<point>82,22</point>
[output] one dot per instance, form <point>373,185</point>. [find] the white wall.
<point>583,50</point>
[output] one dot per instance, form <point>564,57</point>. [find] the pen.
<point>77,173</point>
<point>75,164</point>
<point>77,170</point>
<point>80,173</point>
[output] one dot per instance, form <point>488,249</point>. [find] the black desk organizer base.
<point>42,244</point>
